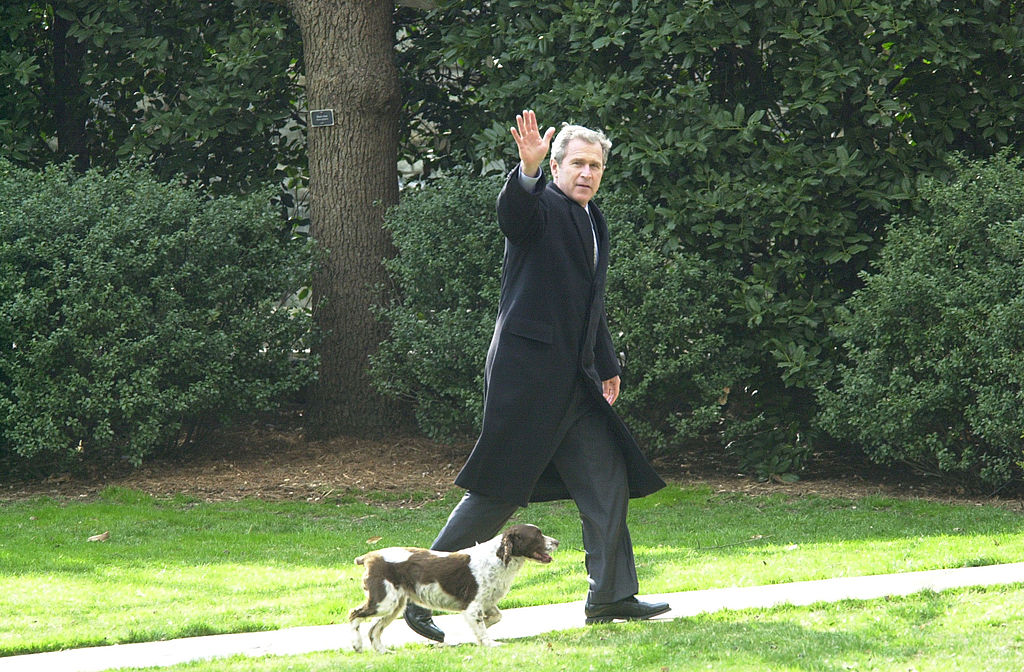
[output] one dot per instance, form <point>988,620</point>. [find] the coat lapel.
<point>584,230</point>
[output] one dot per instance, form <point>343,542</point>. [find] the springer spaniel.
<point>471,581</point>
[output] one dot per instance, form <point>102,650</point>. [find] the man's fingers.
<point>529,120</point>
<point>526,124</point>
<point>532,146</point>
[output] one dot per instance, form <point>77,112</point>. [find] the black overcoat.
<point>551,332</point>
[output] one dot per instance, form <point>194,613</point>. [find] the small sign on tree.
<point>321,118</point>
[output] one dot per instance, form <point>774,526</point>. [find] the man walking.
<point>552,375</point>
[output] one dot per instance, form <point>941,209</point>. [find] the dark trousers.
<point>593,469</point>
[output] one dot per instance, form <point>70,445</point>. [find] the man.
<point>549,431</point>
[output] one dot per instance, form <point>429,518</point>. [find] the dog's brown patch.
<point>450,571</point>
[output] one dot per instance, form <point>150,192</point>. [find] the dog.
<point>472,581</point>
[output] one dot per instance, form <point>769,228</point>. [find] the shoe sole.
<point>591,620</point>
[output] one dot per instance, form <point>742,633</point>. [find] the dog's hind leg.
<point>389,611</point>
<point>356,617</point>
<point>357,638</point>
<point>369,609</point>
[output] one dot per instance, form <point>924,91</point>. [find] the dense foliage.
<point>447,272</point>
<point>666,313</point>
<point>133,311</point>
<point>200,89</point>
<point>934,338</point>
<point>774,137</point>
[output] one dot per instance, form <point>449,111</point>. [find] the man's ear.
<point>554,168</point>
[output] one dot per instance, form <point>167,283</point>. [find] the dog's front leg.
<point>477,621</point>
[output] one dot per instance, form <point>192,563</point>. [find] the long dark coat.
<point>551,332</point>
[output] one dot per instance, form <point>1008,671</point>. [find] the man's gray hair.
<point>570,132</point>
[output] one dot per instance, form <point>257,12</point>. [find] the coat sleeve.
<point>518,209</point>
<point>605,359</point>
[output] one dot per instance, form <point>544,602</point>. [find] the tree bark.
<point>68,95</point>
<point>349,66</point>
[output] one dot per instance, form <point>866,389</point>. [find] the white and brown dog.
<point>472,581</point>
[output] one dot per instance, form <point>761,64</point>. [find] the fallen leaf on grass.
<point>99,537</point>
<point>373,540</point>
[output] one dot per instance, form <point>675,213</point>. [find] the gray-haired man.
<point>552,375</point>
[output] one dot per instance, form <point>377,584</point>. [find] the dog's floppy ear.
<point>505,549</point>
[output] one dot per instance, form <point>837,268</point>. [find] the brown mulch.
<point>276,462</point>
<point>273,463</point>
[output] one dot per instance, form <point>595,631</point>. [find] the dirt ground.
<point>274,461</point>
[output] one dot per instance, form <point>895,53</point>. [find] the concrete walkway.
<point>516,623</point>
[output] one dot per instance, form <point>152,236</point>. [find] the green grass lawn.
<point>980,630</point>
<point>179,567</point>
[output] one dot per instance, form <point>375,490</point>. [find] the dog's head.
<point>526,541</point>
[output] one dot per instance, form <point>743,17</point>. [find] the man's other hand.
<point>611,390</point>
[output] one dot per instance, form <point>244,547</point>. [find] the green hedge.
<point>666,313</point>
<point>133,311</point>
<point>447,272</point>
<point>935,338</point>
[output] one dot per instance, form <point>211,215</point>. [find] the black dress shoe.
<point>629,609</point>
<point>421,621</point>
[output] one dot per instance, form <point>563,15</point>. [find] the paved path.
<point>516,623</point>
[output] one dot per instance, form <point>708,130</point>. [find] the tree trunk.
<point>349,61</point>
<point>68,95</point>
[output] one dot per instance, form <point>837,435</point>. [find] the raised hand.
<point>533,147</point>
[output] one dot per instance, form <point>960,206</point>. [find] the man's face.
<point>579,173</point>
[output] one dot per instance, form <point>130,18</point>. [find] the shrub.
<point>666,313</point>
<point>934,339</point>
<point>132,311</point>
<point>667,310</point>
<point>447,271</point>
